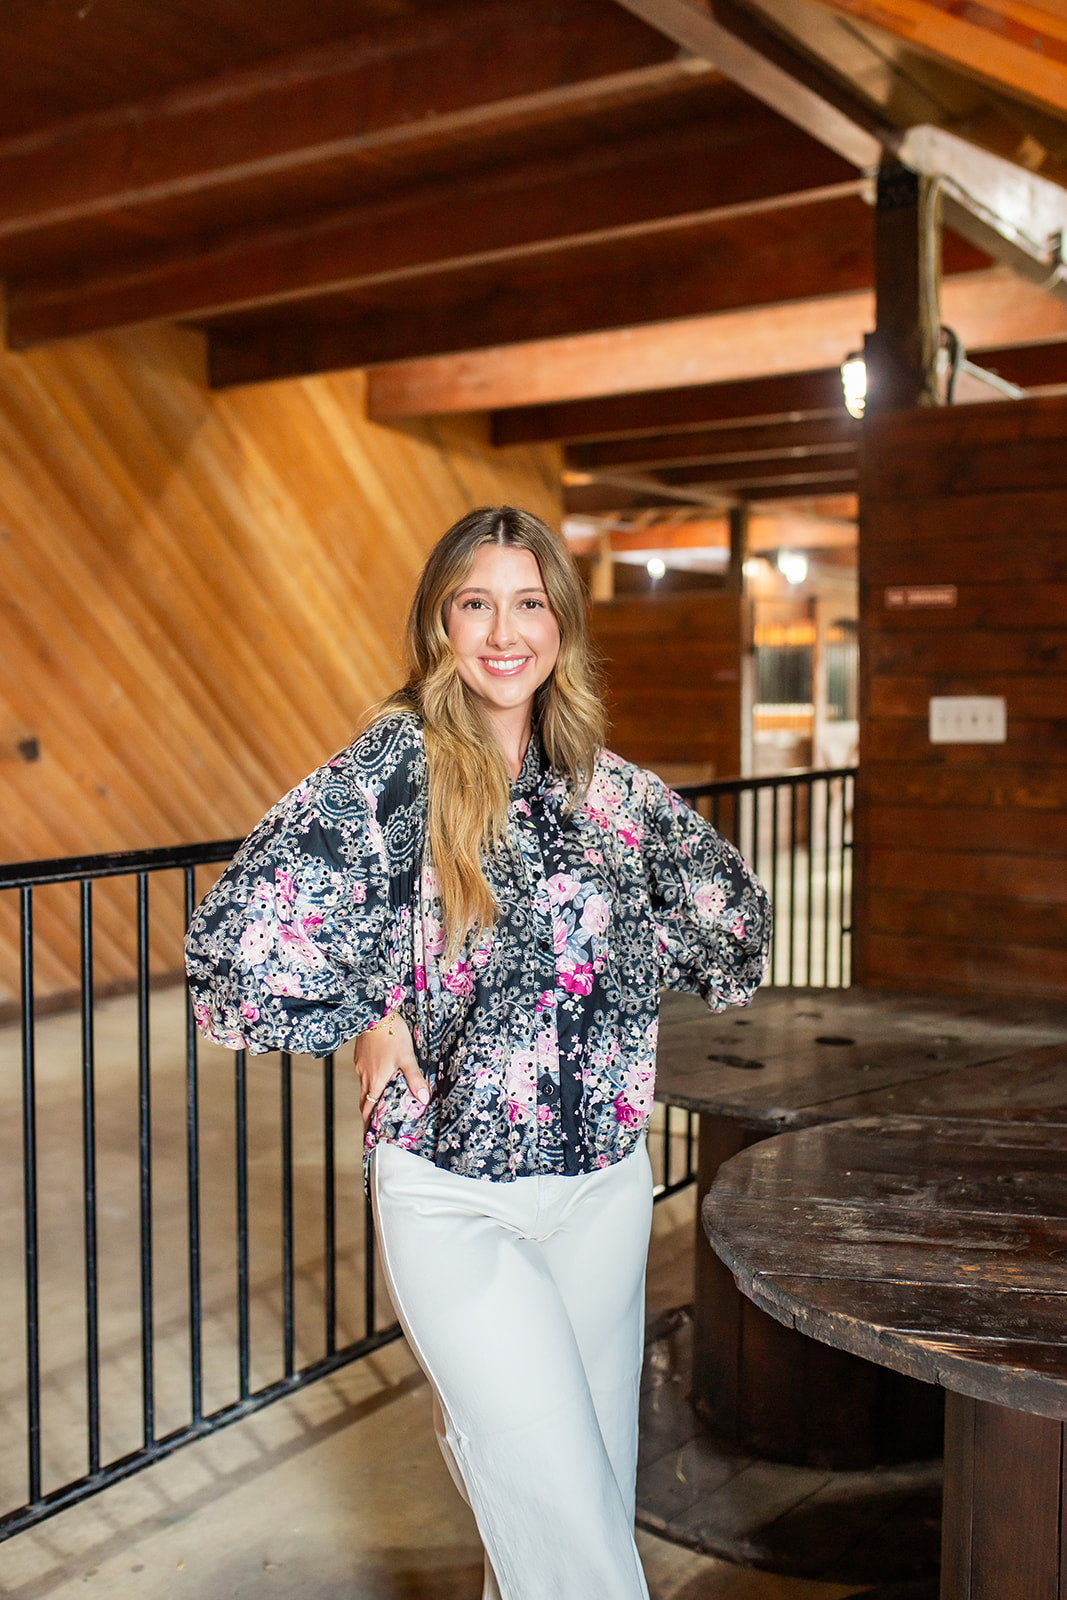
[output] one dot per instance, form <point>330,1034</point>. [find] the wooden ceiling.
<point>489,185</point>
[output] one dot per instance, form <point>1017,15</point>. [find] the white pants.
<point>524,1305</point>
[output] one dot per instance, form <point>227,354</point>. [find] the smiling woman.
<point>488,902</point>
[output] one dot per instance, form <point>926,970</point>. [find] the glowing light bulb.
<point>854,383</point>
<point>792,565</point>
<point>655,567</point>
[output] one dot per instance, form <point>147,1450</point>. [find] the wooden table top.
<point>798,1057</point>
<point>935,1247</point>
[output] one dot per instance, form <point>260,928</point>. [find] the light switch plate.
<point>968,719</point>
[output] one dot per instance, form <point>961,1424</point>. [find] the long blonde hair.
<point>468,778</point>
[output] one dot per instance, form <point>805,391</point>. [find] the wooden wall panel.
<point>672,676</point>
<point>962,849</point>
<point>201,595</point>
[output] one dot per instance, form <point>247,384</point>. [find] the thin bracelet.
<point>381,1022</point>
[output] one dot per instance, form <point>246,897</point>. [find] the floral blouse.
<point>539,1039</point>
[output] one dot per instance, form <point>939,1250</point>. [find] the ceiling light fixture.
<point>854,383</point>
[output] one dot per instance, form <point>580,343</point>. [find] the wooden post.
<point>902,352</point>
<point>735,572</point>
<point>602,571</point>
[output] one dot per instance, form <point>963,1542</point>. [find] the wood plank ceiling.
<point>366,183</point>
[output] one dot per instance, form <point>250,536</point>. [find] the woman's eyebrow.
<point>470,589</point>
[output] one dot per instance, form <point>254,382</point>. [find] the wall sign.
<point>920,596</point>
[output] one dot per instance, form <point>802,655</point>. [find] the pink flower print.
<point>545,1000</point>
<point>594,855</point>
<point>256,942</point>
<point>283,983</point>
<point>264,892</point>
<point>420,979</point>
<point>283,883</point>
<point>397,996</point>
<point>249,1012</point>
<point>515,1111</point>
<point>738,928</point>
<point>522,807</point>
<point>480,957</point>
<point>202,1015</point>
<point>577,979</point>
<point>601,1161</point>
<point>559,936</point>
<point>595,914</point>
<point>457,980</point>
<point>359,893</point>
<point>544,1114</point>
<point>625,1113</point>
<point>433,942</point>
<point>293,941</point>
<point>632,836</point>
<point>710,899</point>
<point>561,888</point>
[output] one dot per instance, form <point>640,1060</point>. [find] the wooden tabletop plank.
<point>799,1057</point>
<point>935,1247</point>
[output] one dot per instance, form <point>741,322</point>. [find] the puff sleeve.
<point>299,946</point>
<point>712,915</point>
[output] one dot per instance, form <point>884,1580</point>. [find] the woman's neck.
<point>514,736</point>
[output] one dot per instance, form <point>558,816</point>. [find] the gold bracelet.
<point>381,1022</point>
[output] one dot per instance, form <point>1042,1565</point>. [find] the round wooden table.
<point>796,1058</point>
<point>938,1248</point>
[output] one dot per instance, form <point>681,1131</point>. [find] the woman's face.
<point>503,631</point>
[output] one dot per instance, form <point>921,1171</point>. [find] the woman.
<point>488,902</point>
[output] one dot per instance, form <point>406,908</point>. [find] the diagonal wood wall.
<point>962,848</point>
<point>201,593</point>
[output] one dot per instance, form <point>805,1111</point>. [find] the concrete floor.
<point>337,1493</point>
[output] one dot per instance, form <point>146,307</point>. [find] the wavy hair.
<point>468,778</point>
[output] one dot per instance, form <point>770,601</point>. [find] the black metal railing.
<point>143,1194</point>
<point>795,831</point>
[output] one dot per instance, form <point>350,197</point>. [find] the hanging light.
<point>793,566</point>
<point>655,567</point>
<point>854,383</point>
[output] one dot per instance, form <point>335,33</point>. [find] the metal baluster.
<point>369,1308</point>
<point>144,1102</point>
<point>241,1167</point>
<point>92,1295</point>
<point>829,790</point>
<point>192,1169</point>
<point>29,1198</point>
<point>775,897</point>
<point>287,1211</point>
<point>792,881</point>
<point>809,790</point>
<point>329,1201</point>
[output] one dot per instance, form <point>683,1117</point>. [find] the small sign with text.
<point>920,596</point>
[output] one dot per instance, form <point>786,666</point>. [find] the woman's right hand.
<point>379,1055</point>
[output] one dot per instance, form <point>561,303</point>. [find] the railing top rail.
<point>777,780</point>
<point>76,869</point>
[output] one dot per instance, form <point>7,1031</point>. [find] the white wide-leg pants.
<point>524,1305</point>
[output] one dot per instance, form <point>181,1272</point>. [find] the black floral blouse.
<point>539,1039</point>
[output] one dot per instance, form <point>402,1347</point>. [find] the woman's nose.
<point>501,629</point>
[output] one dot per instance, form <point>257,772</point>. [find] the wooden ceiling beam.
<point>980,198</point>
<point>720,446</point>
<point>986,309</point>
<point>1010,44</point>
<point>663,186</point>
<point>426,77</point>
<point>734,478</point>
<point>781,398</point>
<point>693,25</point>
<point>816,247</point>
